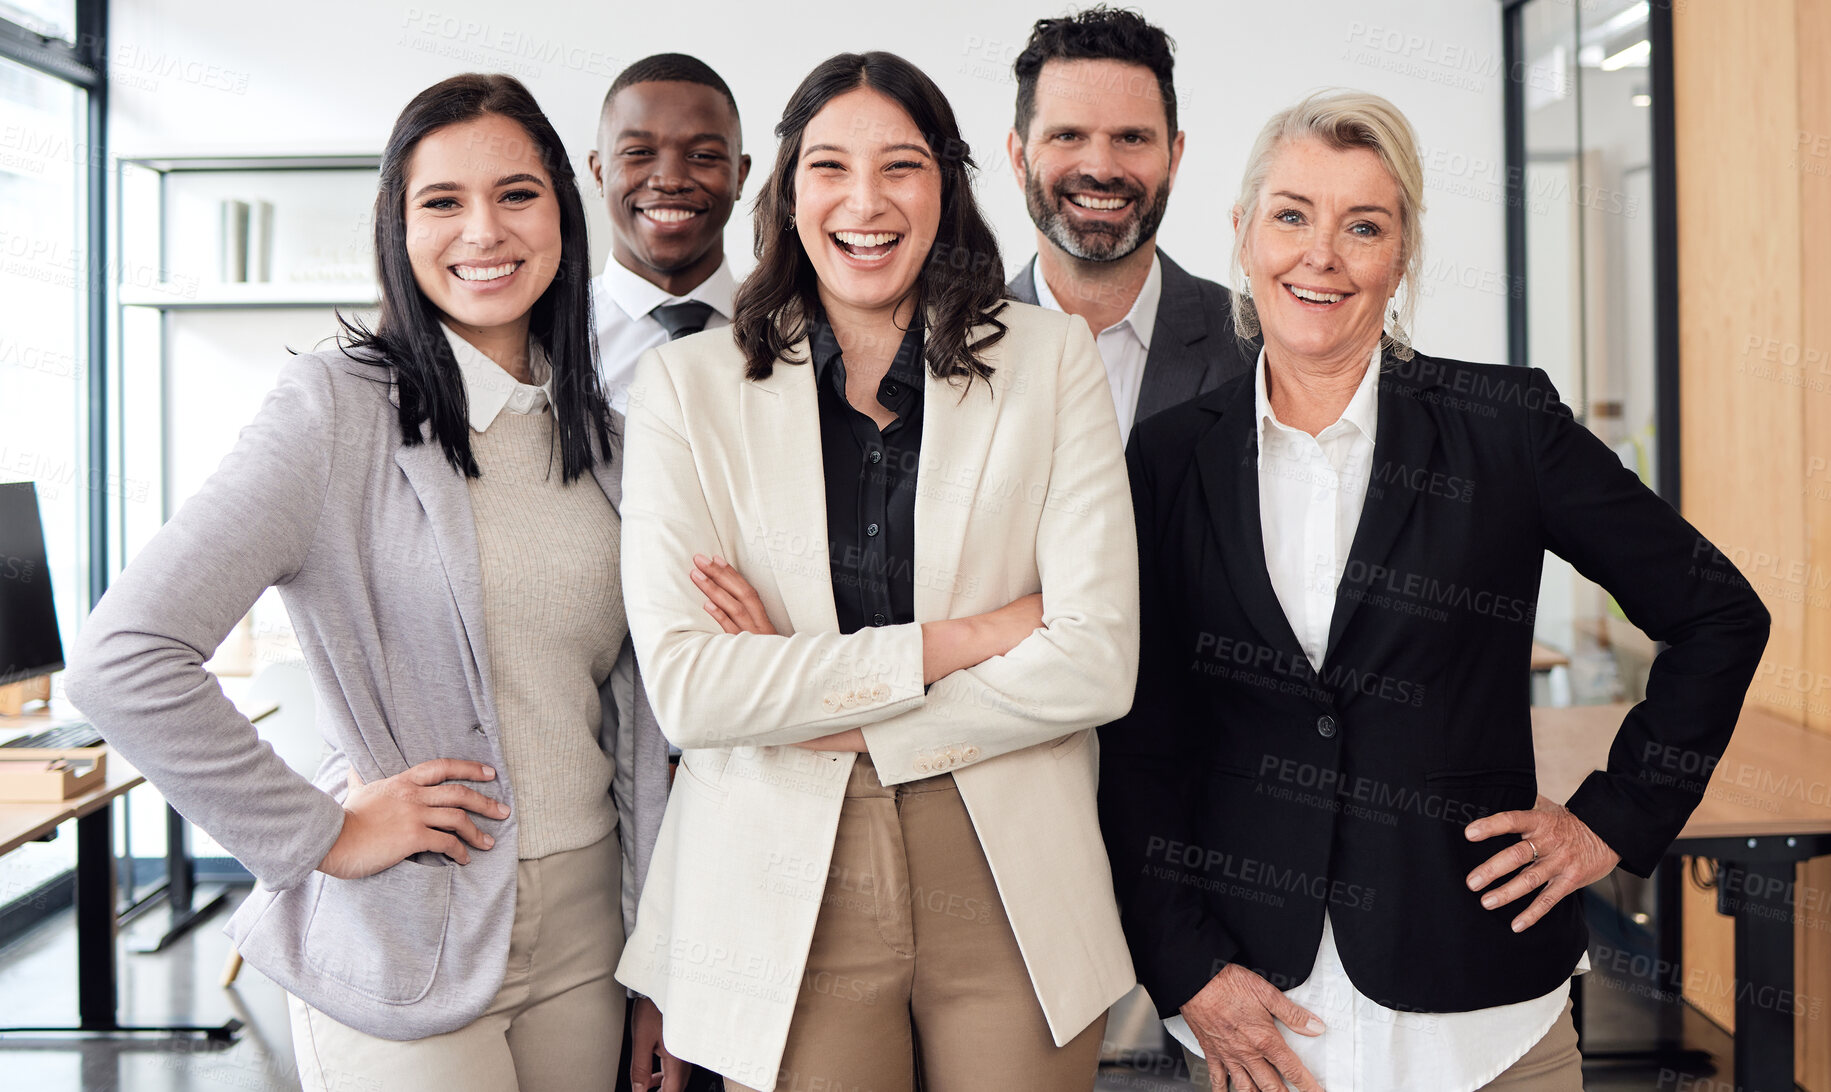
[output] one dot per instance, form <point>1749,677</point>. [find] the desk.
<point>179,888</point>
<point>96,984</point>
<point>1756,827</point>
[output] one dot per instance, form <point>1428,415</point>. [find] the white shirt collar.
<point>1142,317</point>
<point>1362,411</point>
<point>637,297</point>
<point>488,389</point>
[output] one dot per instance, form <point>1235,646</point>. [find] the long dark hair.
<point>407,339</point>
<point>962,283</point>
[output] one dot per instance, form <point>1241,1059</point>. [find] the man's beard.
<point>1095,242</point>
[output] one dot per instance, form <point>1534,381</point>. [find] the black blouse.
<point>870,483</point>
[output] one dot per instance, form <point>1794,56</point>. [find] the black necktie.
<point>681,319</point>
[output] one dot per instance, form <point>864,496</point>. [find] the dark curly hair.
<point>960,286</point>
<point>1099,34</point>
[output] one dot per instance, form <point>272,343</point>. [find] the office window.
<point>1586,237</point>
<point>43,437</point>
<point>43,272</point>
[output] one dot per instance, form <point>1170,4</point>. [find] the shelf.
<point>228,297</point>
<point>164,163</point>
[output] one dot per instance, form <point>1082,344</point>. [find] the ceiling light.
<point>1634,55</point>
<point>1633,15</point>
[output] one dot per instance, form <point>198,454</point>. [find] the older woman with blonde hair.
<point>1333,865</point>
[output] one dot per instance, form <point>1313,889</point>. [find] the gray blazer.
<point>372,546</point>
<point>1193,347</point>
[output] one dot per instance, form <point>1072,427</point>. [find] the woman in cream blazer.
<point>793,730</point>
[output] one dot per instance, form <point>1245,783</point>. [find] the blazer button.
<point>970,753</point>
<point>830,703</point>
<point>921,765</point>
<point>1325,726</point>
<point>880,692</point>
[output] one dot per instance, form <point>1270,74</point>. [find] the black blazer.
<point>1193,347</point>
<point>1245,793</point>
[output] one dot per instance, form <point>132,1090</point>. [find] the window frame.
<point>82,64</point>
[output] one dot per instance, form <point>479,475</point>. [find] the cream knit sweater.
<point>553,610</point>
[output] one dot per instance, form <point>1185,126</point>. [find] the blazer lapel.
<point>1227,458</point>
<point>442,492</point>
<point>1174,369</point>
<point>780,420</point>
<point>1407,436</point>
<point>957,429</point>
<point>1023,286</point>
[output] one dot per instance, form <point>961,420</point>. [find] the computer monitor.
<point>29,644</point>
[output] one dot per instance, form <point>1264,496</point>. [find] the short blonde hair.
<point>1342,120</point>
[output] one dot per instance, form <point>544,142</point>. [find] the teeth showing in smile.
<point>867,246</point>
<point>1089,201</point>
<point>861,238</point>
<point>1315,297</point>
<point>484,272</point>
<point>670,216</point>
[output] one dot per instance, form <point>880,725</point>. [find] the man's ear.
<point>743,172</point>
<point>596,166</point>
<point>1014,148</point>
<point>1176,156</point>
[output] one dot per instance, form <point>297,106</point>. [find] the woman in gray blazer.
<point>437,502</point>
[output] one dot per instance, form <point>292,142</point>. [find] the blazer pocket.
<point>1511,776</point>
<point>1467,795</point>
<point>1240,772</point>
<point>382,936</point>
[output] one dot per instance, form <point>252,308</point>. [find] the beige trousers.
<point>555,1025</point>
<point>914,979</point>
<point>1552,1065</point>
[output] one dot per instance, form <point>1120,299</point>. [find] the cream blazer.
<point>1021,488</point>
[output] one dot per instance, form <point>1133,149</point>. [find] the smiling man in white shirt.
<point>1095,147</point>
<point>670,165</point>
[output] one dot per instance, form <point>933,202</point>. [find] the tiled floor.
<point>38,985</point>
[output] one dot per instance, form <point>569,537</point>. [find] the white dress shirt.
<point>1124,345</point>
<point>621,301</point>
<point>1311,490</point>
<point>489,389</point>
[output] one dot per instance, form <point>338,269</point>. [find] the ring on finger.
<point>1534,848</point>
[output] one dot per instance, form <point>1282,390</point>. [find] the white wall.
<point>215,76</point>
